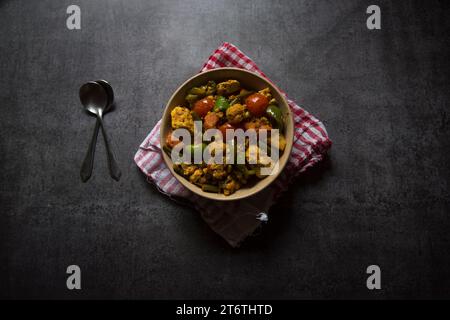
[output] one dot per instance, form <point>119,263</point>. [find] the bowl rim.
<point>252,190</point>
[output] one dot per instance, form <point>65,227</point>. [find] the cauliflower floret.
<point>196,176</point>
<point>254,153</point>
<point>266,92</point>
<point>231,186</point>
<point>236,113</point>
<point>228,87</point>
<point>218,171</point>
<point>188,169</point>
<point>258,123</point>
<point>182,118</point>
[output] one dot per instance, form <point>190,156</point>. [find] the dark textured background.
<point>382,196</point>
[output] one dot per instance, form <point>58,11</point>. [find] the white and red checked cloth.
<point>235,220</point>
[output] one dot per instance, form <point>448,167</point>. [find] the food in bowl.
<point>227,108</point>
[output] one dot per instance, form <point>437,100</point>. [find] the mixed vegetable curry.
<point>225,105</point>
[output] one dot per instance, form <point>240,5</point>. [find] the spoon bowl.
<point>94,98</point>
<point>109,91</point>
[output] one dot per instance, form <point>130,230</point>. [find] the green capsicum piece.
<point>222,104</point>
<point>276,116</point>
<point>210,188</point>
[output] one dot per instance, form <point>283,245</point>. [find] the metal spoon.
<point>113,168</point>
<point>88,163</point>
<point>97,97</point>
<point>109,91</point>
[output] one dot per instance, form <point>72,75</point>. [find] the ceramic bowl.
<point>250,81</point>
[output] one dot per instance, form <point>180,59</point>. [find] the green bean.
<point>177,168</point>
<point>235,100</point>
<point>210,188</point>
<point>247,172</point>
<point>258,173</point>
<point>242,168</point>
<point>198,91</point>
<point>210,88</point>
<point>245,93</point>
<point>195,116</point>
<point>242,95</point>
<point>191,98</point>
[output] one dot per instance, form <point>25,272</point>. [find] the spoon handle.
<point>114,170</point>
<point>88,162</point>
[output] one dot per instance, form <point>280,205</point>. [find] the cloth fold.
<point>236,220</point>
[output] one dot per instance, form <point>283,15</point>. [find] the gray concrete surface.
<point>382,196</point>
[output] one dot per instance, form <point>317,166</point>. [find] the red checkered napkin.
<point>235,220</point>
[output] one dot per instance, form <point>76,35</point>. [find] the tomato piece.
<point>203,106</point>
<point>257,104</point>
<point>223,128</point>
<point>170,141</point>
<point>211,120</point>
